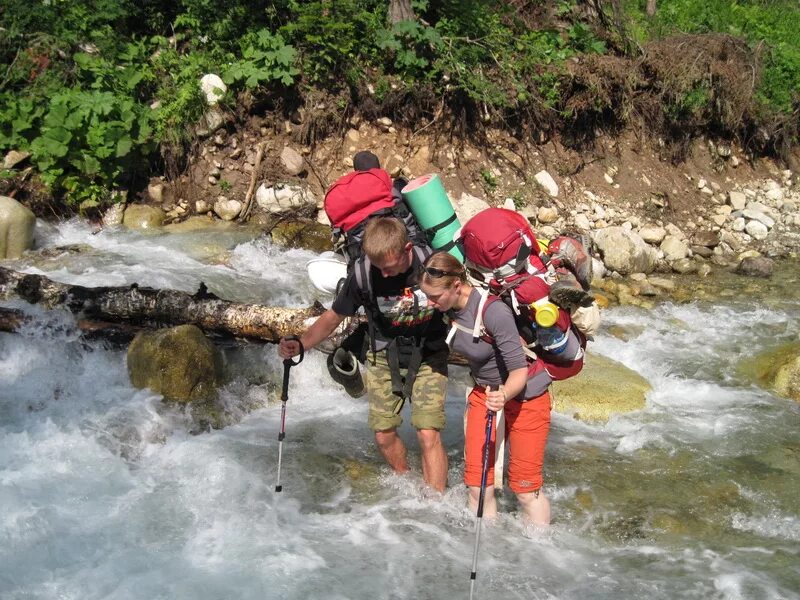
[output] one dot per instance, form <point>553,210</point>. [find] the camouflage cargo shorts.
<point>427,399</point>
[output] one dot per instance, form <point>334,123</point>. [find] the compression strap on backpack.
<point>422,253</point>
<point>431,231</point>
<point>404,386</point>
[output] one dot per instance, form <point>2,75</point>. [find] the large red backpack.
<point>502,256</point>
<point>358,196</point>
<point>351,201</point>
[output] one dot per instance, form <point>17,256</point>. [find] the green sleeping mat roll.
<point>428,201</point>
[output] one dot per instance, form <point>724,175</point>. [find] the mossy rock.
<point>302,234</point>
<point>777,369</point>
<point>141,216</point>
<point>200,223</point>
<point>179,363</point>
<point>602,389</point>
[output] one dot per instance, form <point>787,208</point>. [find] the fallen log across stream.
<point>131,308</point>
<point>117,314</point>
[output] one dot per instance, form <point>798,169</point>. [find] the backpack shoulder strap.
<point>361,271</point>
<point>421,252</point>
<point>480,327</point>
<point>479,332</point>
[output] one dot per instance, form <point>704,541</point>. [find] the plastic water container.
<point>551,339</point>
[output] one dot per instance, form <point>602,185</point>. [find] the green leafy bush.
<point>335,40</point>
<point>92,87</point>
<point>265,58</point>
<point>410,46</point>
<point>769,27</point>
<point>90,142</point>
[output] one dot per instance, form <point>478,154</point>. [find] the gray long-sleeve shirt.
<point>490,364</point>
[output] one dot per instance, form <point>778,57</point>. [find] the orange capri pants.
<point>527,426</point>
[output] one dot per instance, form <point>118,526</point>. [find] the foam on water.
<point>688,348</point>
<point>256,270</point>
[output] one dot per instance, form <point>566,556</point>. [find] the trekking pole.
<point>288,363</point>
<point>489,420</point>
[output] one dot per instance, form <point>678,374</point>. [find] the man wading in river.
<point>407,358</point>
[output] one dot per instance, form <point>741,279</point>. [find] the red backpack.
<point>502,255</point>
<point>356,197</point>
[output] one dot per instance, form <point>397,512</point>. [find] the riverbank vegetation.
<point>103,94</point>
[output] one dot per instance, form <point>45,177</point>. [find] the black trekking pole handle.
<point>288,363</point>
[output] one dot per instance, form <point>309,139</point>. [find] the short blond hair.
<point>447,263</point>
<point>384,237</point>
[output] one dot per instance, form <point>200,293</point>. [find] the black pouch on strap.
<point>404,353</point>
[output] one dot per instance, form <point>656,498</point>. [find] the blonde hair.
<point>443,261</point>
<point>384,237</point>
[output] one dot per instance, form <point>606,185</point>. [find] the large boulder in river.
<point>777,369</point>
<point>602,389</point>
<point>16,228</point>
<point>624,251</point>
<point>179,363</point>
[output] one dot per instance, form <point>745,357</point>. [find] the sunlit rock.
<point>292,161</point>
<point>674,248</point>
<point>140,216</point>
<point>624,251</point>
<point>213,88</point>
<point>602,389</point>
<point>13,158</point>
<point>285,199</point>
<point>547,214</point>
<point>468,206</point>
<point>546,181</point>
<point>777,369</point>
<point>227,209</point>
<point>302,234</point>
<point>16,228</point>
<point>114,215</point>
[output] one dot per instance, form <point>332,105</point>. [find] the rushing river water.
<point>106,494</point>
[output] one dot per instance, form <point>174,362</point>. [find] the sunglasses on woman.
<point>438,273</point>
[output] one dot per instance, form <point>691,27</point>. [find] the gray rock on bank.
<point>624,251</point>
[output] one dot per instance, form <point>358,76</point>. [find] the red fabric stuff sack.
<point>496,239</point>
<point>357,195</point>
<point>355,198</point>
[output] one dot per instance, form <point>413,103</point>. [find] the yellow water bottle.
<point>546,313</point>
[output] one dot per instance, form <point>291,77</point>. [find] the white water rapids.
<point>106,495</point>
